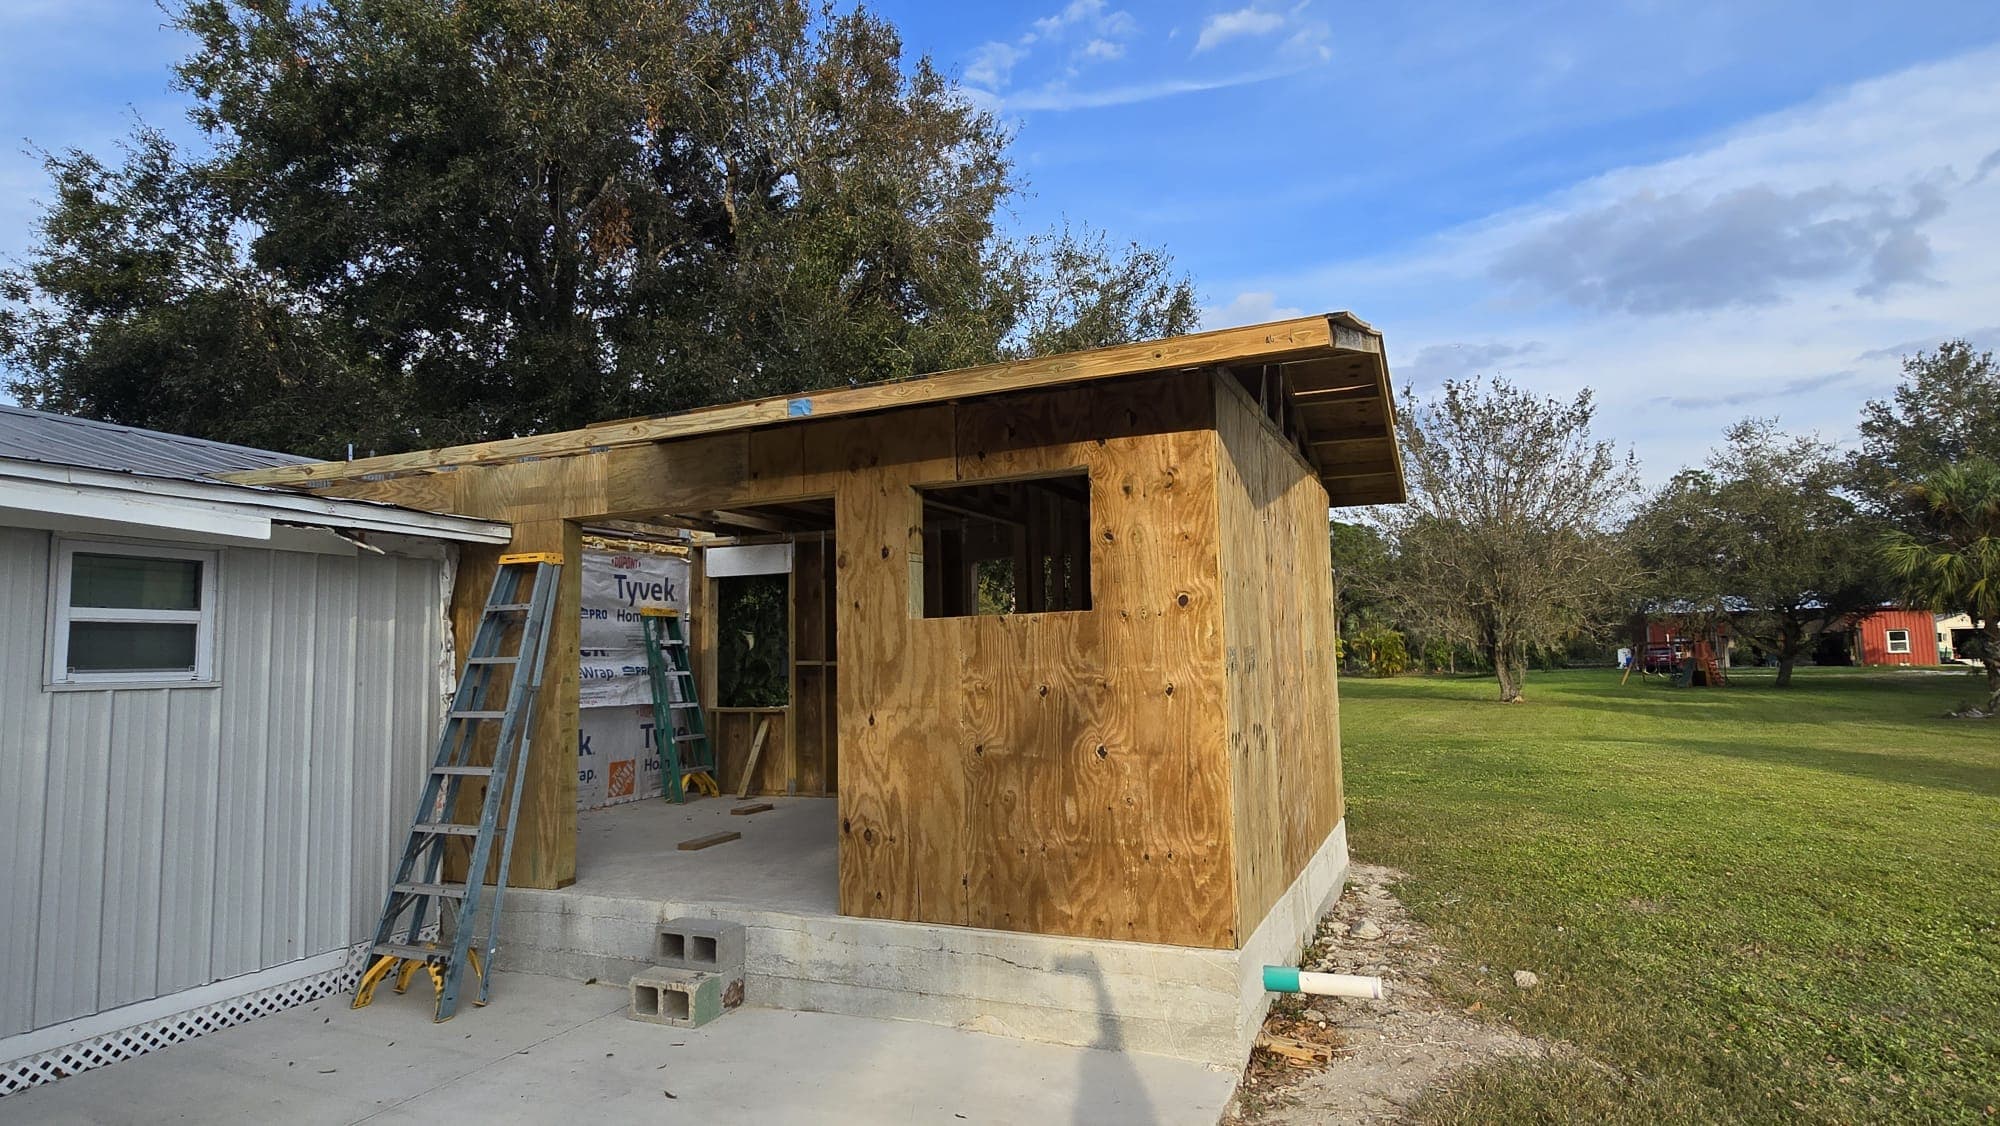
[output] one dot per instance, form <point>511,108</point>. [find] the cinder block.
<point>681,998</point>
<point>700,944</point>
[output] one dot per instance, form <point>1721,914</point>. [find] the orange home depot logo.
<point>623,773</point>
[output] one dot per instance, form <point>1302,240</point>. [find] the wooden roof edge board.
<point>1251,343</point>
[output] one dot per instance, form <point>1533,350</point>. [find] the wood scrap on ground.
<point>710,839</point>
<point>753,807</point>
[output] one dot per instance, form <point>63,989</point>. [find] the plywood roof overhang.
<point>1330,370</point>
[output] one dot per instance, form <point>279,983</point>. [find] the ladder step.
<point>477,715</point>
<point>684,705</point>
<point>404,950</point>
<point>447,828</point>
<point>464,771</point>
<point>508,607</point>
<point>689,738</point>
<point>515,660</point>
<point>449,891</point>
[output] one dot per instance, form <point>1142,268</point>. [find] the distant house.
<point>1892,635</point>
<point>1955,637</point>
<point>216,705</point>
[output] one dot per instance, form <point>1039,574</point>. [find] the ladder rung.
<point>477,715</point>
<point>449,891</point>
<point>508,607</point>
<point>684,705</point>
<point>688,738</point>
<point>493,660</point>
<point>464,771</point>
<point>447,828</point>
<point>403,950</point>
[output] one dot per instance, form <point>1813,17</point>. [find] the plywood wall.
<point>1277,614</point>
<point>1061,773</point>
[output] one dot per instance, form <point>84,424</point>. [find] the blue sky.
<point>1702,210</point>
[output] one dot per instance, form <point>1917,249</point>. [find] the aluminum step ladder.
<point>687,758</point>
<point>428,923</point>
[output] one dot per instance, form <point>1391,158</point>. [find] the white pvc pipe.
<point>1284,979</point>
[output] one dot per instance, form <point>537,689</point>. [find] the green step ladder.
<point>496,690</point>
<point>687,758</point>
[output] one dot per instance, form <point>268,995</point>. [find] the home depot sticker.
<point>624,774</point>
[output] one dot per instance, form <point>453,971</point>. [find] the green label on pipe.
<point>1281,979</point>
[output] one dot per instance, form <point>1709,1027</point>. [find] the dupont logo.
<point>623,774</point>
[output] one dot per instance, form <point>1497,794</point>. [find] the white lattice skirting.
<point>49,1054</point>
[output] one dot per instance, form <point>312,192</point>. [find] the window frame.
<point>1889,639</point>
<point>61,614</point>
<point>1086,474</point>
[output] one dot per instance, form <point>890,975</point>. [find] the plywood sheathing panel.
<point>1282,698</point>
<point>1060,773</point>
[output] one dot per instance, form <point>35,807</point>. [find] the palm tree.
<point>1955,562</point>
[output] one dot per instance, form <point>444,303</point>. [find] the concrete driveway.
<point>552,1051</point>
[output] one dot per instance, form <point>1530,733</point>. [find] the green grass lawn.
<point>1749,903</point>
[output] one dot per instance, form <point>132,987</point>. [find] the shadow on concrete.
<point>1109,1089</point>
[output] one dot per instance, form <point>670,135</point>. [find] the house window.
<point>1007,547</point>
<point>1899,641</point>
<point>126,614</point>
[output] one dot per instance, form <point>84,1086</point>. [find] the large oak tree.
<point>1763,536</point>
<point>426,222</point>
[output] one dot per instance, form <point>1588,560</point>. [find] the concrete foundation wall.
<point>1179,1001</point>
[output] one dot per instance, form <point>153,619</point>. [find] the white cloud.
<point>1248,309</point>
<point>1057,96</point>
<point>1779,267</point>
<point>992,64</point>
<point>1223,26</point>
<point>1092,14</point>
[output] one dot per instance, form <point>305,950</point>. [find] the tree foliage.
<point>425,223</point>
<point>1507,544</point>
<point>1954,562</point>
<point>1076,291</point>
<point>1360,559</point>
<point>1945,410</point>
<point>1764,537</point>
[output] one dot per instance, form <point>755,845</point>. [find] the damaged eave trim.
<point>162,502</point>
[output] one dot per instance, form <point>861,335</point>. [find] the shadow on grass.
<point>1878,766</point>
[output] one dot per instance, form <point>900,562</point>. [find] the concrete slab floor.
<point>550,1051</point>
<point>788,858</point>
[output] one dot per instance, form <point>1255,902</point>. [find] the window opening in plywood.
<point>753,641</point>
<point>1009,547</point>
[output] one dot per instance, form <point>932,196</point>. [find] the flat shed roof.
<point>1324,378</point>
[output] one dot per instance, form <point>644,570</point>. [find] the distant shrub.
<point>1378,652</point>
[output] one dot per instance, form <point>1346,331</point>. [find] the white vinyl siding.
<point>153,839</point>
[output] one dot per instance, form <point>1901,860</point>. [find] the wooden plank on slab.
<point>708,841</point>
<point>753,807</point>
<point>756,752</point>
